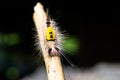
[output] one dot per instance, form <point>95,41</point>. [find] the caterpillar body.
<point>51,39</point>
<point>54,39</point>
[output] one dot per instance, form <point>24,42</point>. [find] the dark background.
<point>96,28</point>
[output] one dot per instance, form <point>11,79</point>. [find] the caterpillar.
<point>54,39</point>
<point>51,39</point>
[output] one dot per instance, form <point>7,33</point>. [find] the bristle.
<point>59,36</point>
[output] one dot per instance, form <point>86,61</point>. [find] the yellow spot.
<point>50,34</point>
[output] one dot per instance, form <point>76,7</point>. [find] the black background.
<point>96,26</point>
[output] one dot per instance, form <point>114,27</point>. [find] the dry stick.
<point>53,64</point>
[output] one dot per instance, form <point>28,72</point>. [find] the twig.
<point>52,63</point>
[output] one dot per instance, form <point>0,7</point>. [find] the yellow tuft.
<point>50,34</point>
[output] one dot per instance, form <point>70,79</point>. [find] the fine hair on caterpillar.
<point>54,39</point>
